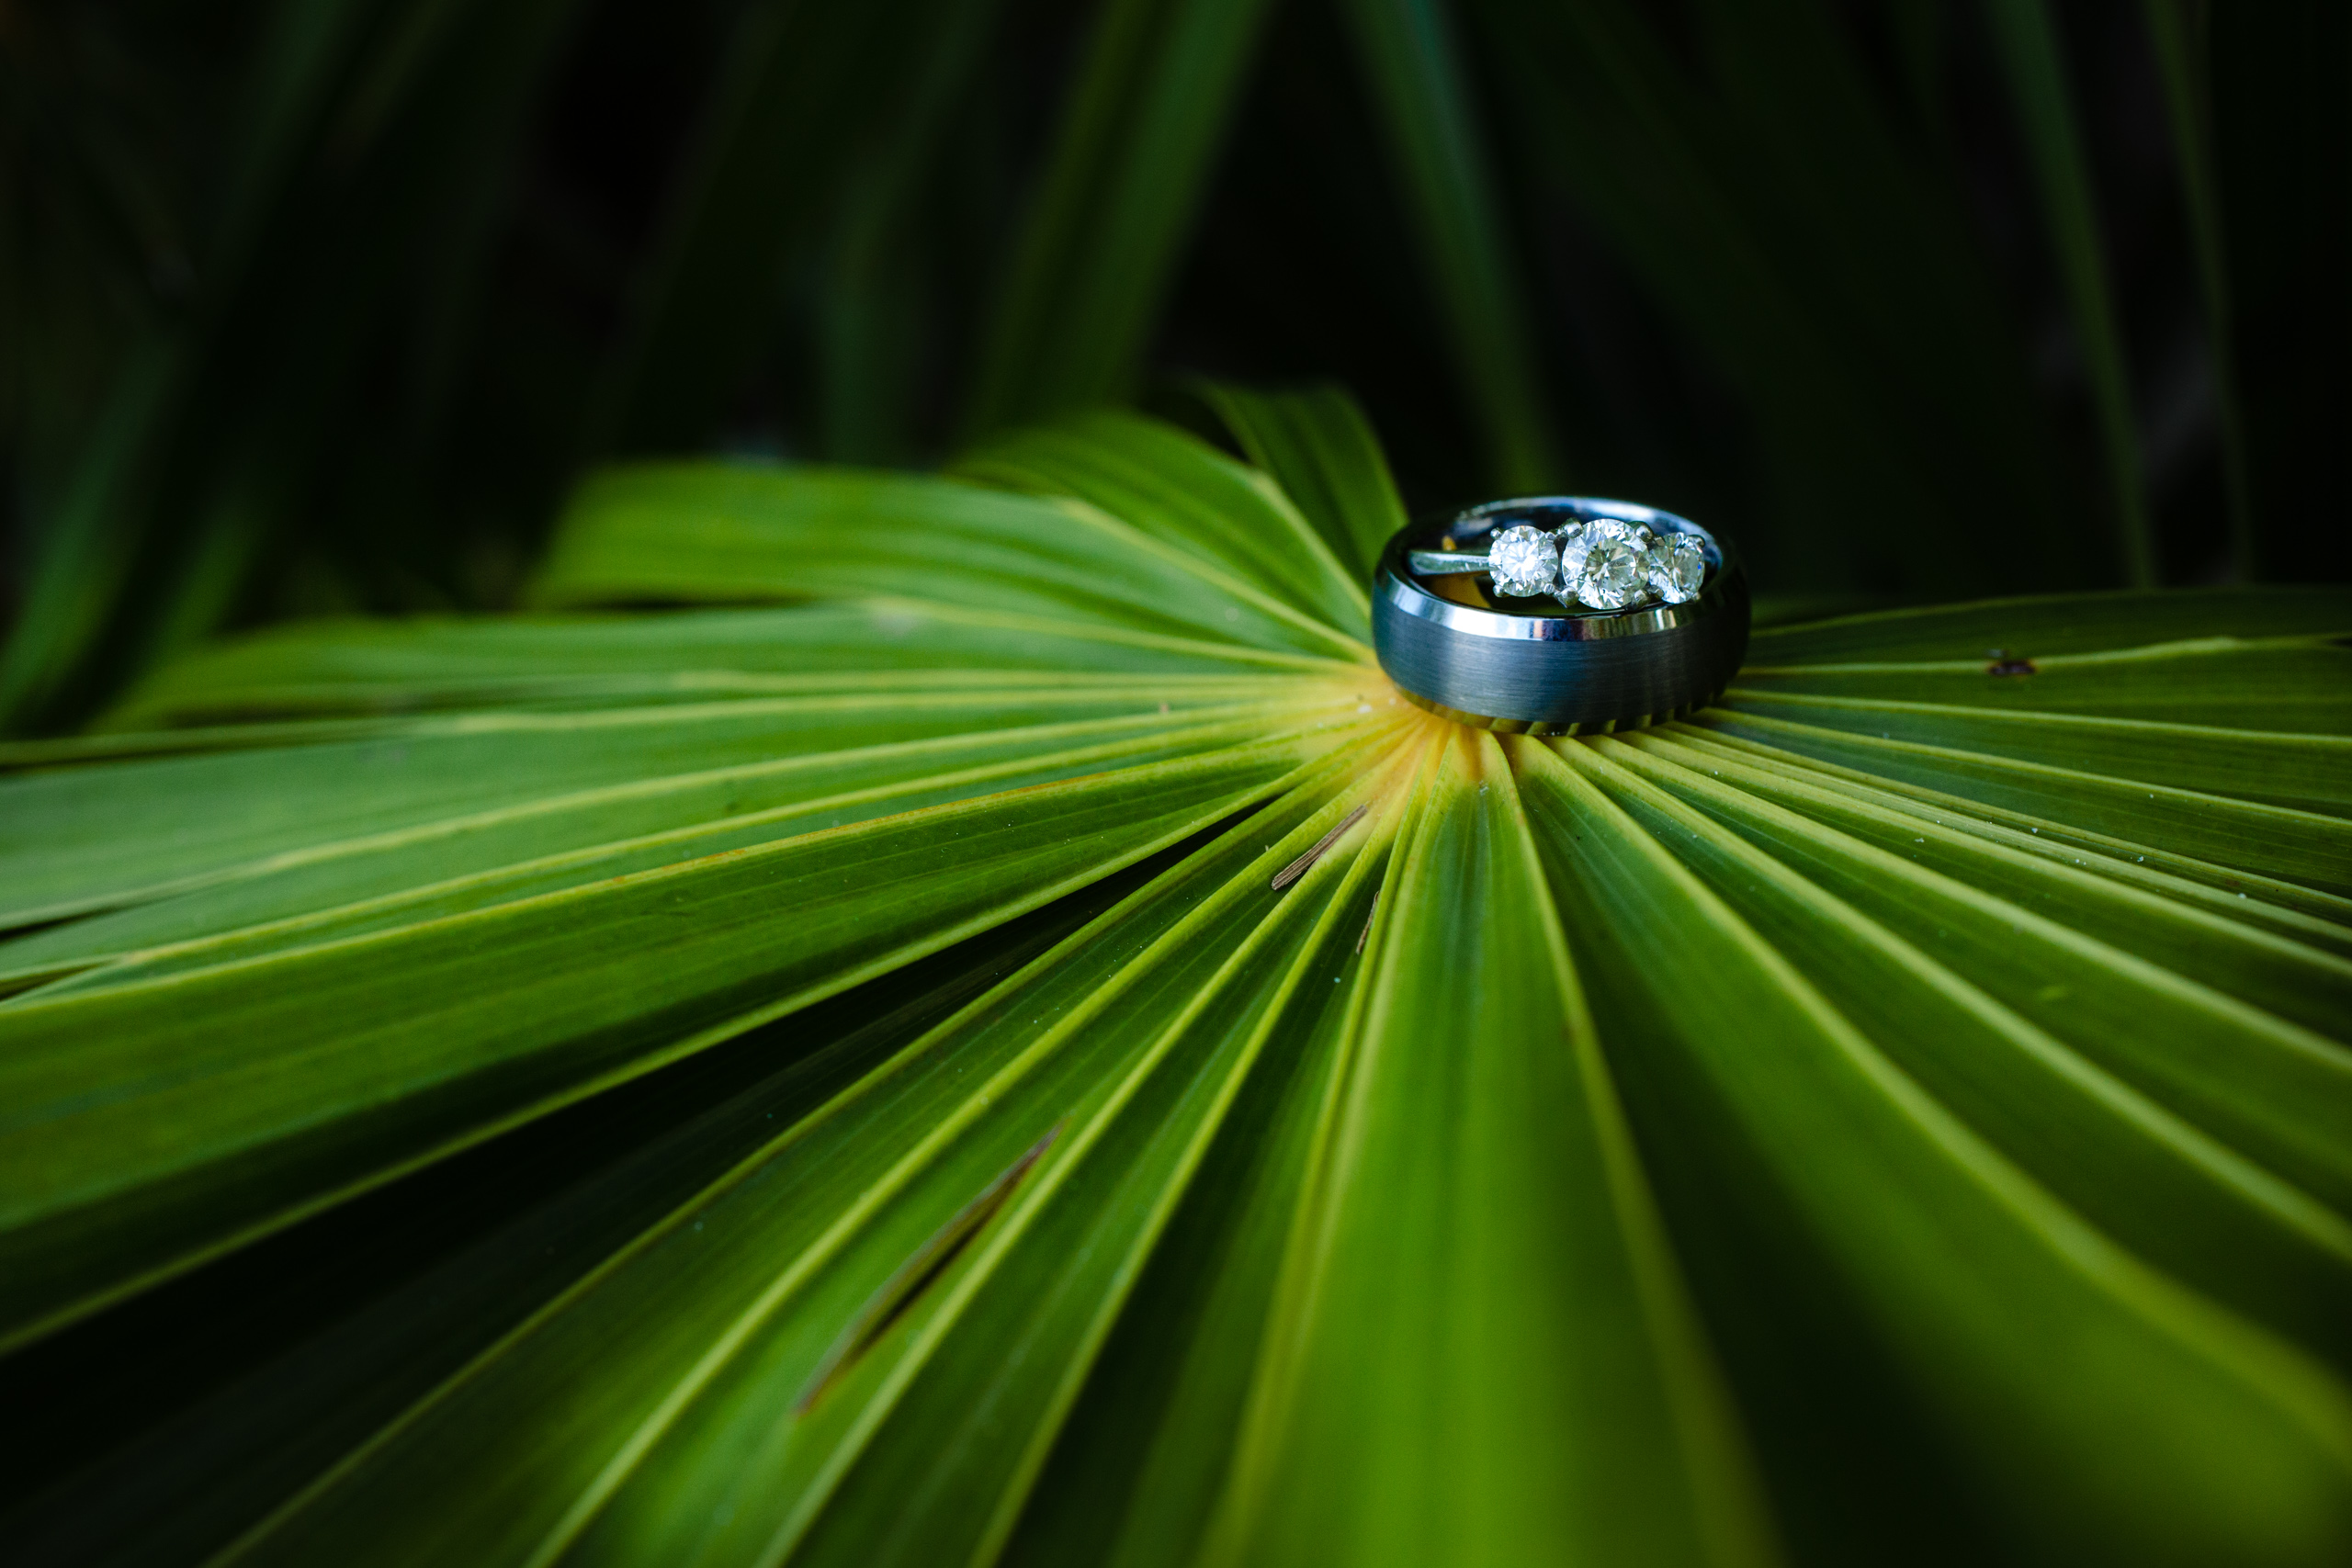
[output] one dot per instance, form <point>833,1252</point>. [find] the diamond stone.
<point>1524,561</point>
<point>1611,565</point>
<point>1678,566</point>
<point>1574,540</point>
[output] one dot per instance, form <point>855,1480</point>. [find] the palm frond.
<point>2028,45</point>
<point>986,1031</point>
<point>1415,70</point>
<point>1097,251</point>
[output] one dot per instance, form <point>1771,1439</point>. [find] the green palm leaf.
<point>987,1032</point>
<point>1071,318</point>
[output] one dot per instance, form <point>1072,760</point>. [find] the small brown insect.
<point>2010,667</point>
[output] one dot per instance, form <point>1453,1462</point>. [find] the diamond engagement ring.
<point>1651,617</point>
<point>1604,563</point>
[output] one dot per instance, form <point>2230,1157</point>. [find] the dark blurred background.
<point>320,306</point>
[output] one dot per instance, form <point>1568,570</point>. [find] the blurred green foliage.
<point>323,304</point>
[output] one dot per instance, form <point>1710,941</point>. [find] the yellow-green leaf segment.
<point>1187,1105</point>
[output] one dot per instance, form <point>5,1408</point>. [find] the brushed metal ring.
<point>1464,658</point>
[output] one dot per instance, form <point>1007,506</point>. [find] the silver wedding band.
<point>1462,650</point>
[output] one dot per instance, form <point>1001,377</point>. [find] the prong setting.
<point>1677,568</point>
<point>1608,566</point>
<point>1524,561</point>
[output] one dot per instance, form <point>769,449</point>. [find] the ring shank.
<point>1560,674</point>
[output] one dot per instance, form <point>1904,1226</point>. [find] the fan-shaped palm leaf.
<point>1192,1106</point>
